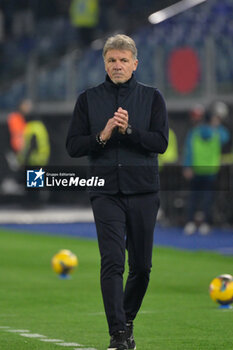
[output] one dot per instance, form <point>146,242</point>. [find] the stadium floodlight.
<point>173,10</point>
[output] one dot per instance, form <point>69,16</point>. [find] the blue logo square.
<point>35,178</point>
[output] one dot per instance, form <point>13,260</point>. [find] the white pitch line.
<point>25,333</point>
<point>85,349</point>
<point>69,344</point>
<point>32,335</point>
<point>148,312</point>
<point>51,340</point>
<point>17,330</point>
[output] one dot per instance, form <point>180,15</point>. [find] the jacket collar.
<point>123,88</point>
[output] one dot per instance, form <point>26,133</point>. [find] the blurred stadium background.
<point>47,60</point>
<point>44,57</point>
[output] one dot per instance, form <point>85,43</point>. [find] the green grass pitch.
<point>177,312</point>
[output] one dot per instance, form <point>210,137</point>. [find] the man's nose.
<point>117,65</point>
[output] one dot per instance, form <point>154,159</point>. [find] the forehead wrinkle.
<point>118,54</point>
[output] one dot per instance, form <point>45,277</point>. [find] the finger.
<point>119,124</point>
<point>121,110</point>
<point>121,120</point>
<point>125,113</point>
<point>121,115</point>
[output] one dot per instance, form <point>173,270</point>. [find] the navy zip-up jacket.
<point>128,163</point>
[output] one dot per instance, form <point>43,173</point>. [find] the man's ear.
<point>135,65</point>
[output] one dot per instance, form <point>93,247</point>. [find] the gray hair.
<point>120,42</point>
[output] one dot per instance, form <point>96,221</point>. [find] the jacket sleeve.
<point>156,139</point>
<point>80,142</point>
<point>224,134</point>
<point>187,156</point>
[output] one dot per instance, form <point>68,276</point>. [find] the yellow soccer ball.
<point>64,262</point>
<point>221,289</point>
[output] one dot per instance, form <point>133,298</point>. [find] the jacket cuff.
<point>134,136</point>
<point>94,145</point>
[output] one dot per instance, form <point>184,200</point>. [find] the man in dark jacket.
<point>122,126</point>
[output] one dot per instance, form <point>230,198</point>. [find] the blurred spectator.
<point>84,16</point>
<point>35,152</point>
<point>29,139</point>
<point>197,115</point>
<point>171,155</point>
<point>202,160</point>
<point>36,149</point>
<point>169,159</point>
<point>16,125</point>
<point>221,111</point>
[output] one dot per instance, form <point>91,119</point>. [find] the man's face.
<point>120,64</point>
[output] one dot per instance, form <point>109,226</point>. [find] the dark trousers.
<point>202,197</point>
<point>124,221</point>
